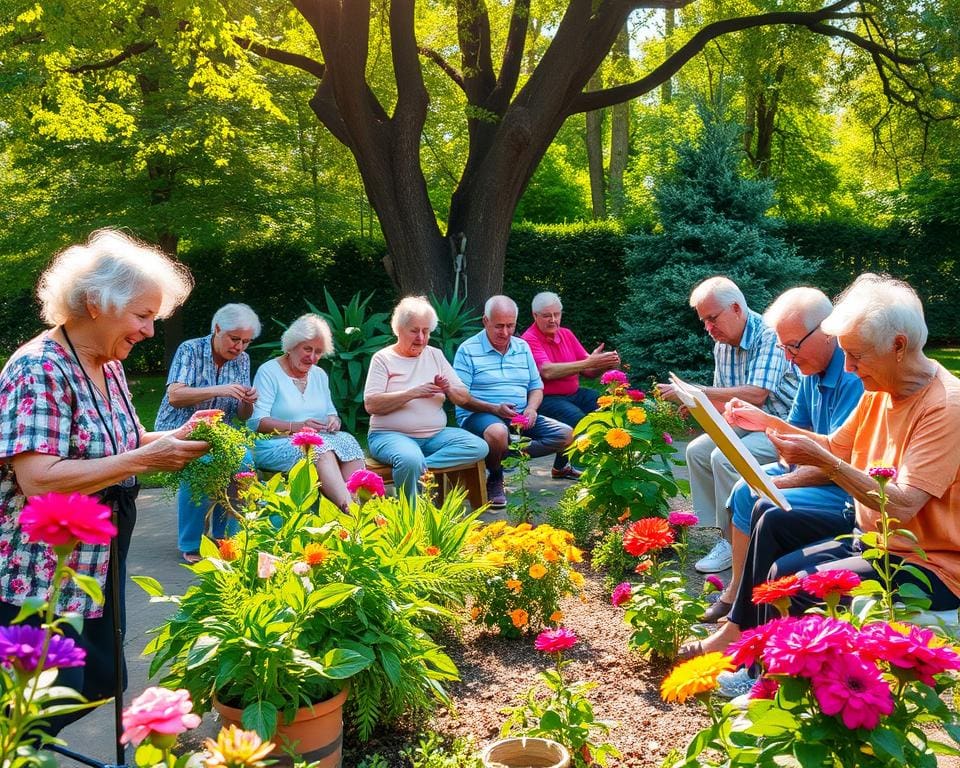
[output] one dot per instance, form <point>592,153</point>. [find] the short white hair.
<point>810,305</point>
<point>411,307</point>
<point>232,317</point>
<point>878,307</point>
<point>723,289</point>
<point>545,299</point>
<point>499,301</point>
<point>305,328</point>
<point>109,271</point>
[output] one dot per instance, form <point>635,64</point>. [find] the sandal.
<point>716,612</point>
<point>190,558</point>
<point>690,651</point>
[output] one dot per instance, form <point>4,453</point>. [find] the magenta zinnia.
<point>614,377</point>
<point>621,593</point>
<point>364,479</point>
<point>647,534</point>
<point>882,473</point>
<point>520,421</point>
<point>682,519</point>
<point>59,519</point>
<point>555,640</point>
<point>714,581</point>
<point>917,649</point>
<point>801,646</point>
<point>853,689</point>
<point>306,438</point>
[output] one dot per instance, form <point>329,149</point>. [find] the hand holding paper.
<point>800,450</point>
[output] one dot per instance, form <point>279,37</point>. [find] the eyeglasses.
<point>794,348</point>
<point>712,319</point>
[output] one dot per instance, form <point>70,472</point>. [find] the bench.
<point>471,477</point>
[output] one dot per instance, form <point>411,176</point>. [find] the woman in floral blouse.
<point>67,425</point>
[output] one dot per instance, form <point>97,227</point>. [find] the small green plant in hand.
<point>565,714</point>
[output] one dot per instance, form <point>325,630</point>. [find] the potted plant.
<point>305,600</point>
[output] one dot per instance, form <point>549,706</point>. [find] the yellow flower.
<point>617,438</point>
<point>523,527</point>
<point>576,578</point>
<point>574,555</point>
<point>495,559</point>
<point>514,586</point>
<point>235,747</point>
<point>495,528</point>
<point>537,571</point>
<point>556,617</point>
<point>550,555</point>
<point>583,444</point>
<point>636,415</point>
<point>475,612</point>
<point>698,675</point>
<point>605,401</point>
<point>519,617</point>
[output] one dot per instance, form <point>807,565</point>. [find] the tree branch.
<point>473,33</point>
<point>134,49</point>
<point>308,65</point>
<point>412,97</point>
<point>512,55</point>
<point>437,59</point>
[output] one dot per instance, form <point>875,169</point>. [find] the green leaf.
<point>90,586</point>
<point>149,585</point>
<point>550,721</point>
<point>330,595</point>
<point>260,716</point>
<point>340,663</point>
<point>885,741</point>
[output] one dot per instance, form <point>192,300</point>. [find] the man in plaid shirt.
<point>750,366</point>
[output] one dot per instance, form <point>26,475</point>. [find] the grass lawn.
<point>949,357</point>
<point>147,393</point>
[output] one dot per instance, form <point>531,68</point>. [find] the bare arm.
<point>593,364</point>
<point>383,403</point>
<point>183,396</point>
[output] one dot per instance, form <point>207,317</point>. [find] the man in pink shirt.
<point>561,358</point>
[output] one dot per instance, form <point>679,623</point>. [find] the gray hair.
<point>231,317</point>
<point>109,271</point>
<point>409,308</point>
<point>499,301</point>
<point>810,305</point>
<point>304,328</point>
<point>723,289</point>
<point>545,299</point>
<point>878,307</point>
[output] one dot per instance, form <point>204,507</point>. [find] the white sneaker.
<point>717,559</point>
<point>731,685</point>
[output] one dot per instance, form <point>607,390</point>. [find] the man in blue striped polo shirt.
<point>749,365</point>
<point>499,371</point>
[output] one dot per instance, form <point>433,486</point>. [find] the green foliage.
<point>713,221</point>
<point>570,514</point>
<point>521,507</point>
<point>554,195</point>
<point>456,322</point>
<point>432,752</point>
<point>610,557</point>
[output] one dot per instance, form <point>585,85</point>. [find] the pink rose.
<point>158,711</point>
<point>59,519</point>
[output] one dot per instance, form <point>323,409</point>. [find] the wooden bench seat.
<point>471,477</point>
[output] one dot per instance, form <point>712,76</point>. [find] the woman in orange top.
<point>908,419</point>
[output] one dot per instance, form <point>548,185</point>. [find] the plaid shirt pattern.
<point>194,366</point>
<point>759,362</point>
<point>45,407</point>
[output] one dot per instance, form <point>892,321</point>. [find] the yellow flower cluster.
<point>608,401</point>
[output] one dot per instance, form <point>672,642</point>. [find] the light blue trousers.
<point>817,499</point>
<point>411,456</point>
<point>191,516</point>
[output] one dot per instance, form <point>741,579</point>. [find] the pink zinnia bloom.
<point>266,565</point>
<point>520,421</point>
<point>920,650</point>
<point>883,473</point>
<point>801,646</point>
<point>300,568</point>
<point>748,649</point>
<point>364,479</point>
<point>823,583</point>
<point>555,640</point>
<point>614,377</point>
<point>855,690</point>
<point>682,519</point>
<point>636,395</point>
<point>621,593</point>
<point>714,581</point>
<point>58,519</point>
<point>158,710</point>
<point>306,438</point>
<point>667,438</point>
<point>764,688</point>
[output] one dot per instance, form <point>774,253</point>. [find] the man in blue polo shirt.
<point>499,371</point>
<point>827,395</point>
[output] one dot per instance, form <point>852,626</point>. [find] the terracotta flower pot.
<point>529,752</point>
<point>316,733</point>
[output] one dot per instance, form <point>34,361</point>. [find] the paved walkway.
<point>154,553</point>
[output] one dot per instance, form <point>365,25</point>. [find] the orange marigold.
<point>617,438</point>
<point>537,571</point>
<point>574,555</point>
<point>475,613</point>
<point>519,617</point>
<point>315,554</point>
<point>228,552</point>
<point>605,401</point>
<point>698,675</point>
<point>636,415</point>
<point>550,555</point>
<point>647,534</point>
<point>432,550</point>
<point>556,617</point>
<point>583,444</point>
<point>514,586</point>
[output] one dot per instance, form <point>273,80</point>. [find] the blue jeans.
<point>569,409</point>
<point>546,436</point>
<point>816,499</point>
<point>411,456</point>
<point>192,516</point>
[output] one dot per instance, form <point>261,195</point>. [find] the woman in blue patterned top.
<point>67,425</point>
<point>210,372</point>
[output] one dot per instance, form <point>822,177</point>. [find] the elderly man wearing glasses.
<point>826,397</point>
<point>750,366</point>
<point>561,358</point>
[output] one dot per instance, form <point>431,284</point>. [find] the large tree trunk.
<point>619,132</point>
<point>594,138</point>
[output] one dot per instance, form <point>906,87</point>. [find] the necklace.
<point>299,381</point>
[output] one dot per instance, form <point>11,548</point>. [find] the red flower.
<point>59,519</point>
<point>555,640</point>
<point>772,591</point>
<point>823,583</point>
<point>636,395</point>
<point>647,534</point>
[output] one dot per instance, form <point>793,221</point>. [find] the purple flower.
<point>21,646</point>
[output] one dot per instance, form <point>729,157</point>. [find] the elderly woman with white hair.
<point>908,419</point>
<point>407,384</point>
<point>67,425</point>
<point>293,393</point>
<point>210,372</point>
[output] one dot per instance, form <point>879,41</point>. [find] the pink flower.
<point>621,593</point>
<point>60,519</point>
<point>667,438</point>
<point>682,519</point>
<point>614,377</point>
<point>855,690</point>
<point>266,565</point>
<point>520,421</point>
<point>555,640</point>
<point>160,711</point>
<point>882,473</point>
<point>714,581</point>
<point>823,583</point>
<point>209,416</point>
<point>748,649</point>
<point>920,650</point>
<point>306,438</point>
<point>801,646</point>
<point>764,688</point>
<point>364,479</point>
<point>636,395</point>
<point>300,568</point>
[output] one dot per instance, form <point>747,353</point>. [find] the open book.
<point>728,441</point>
